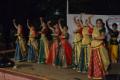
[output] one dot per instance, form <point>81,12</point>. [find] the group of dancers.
<point>89,53</point>
<point>56,51</point>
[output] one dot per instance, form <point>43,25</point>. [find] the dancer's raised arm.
<point>28,24</point>
<point>15,25</point>
<point>41,20</point>
<point>78,22</point>
<point>89,21</point>
<point>49,25</point>
<point>60,26</point>
<point>109,29</point>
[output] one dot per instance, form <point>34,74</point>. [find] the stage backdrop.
<point>72,26</point>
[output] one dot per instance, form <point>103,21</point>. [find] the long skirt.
<point>32,51</point>
<point>53,52</point>
<point>43,50</point>
<point>65,53</point>
<point>113,49</point>
<point>99,62</point>
<point>60,59</point>
<point>18,55</point>
<point>76,54</point>
<point>84,58</point>
<point>21,50</point>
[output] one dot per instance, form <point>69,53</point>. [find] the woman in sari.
<point>99,60</point>
<point>21,50</point>
<point>32,44</point>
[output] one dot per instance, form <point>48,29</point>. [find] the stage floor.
<point>47,72</point>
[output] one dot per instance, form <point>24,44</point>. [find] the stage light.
<point>57,12</point>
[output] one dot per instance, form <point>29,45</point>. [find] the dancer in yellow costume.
<point>32,44</point>
<point>21,47</point>
<point>77,43</point>
<point>113,47</point>
<point>99,60</point>
<point>85,46</point>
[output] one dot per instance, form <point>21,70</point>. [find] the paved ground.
<point>49,72</point>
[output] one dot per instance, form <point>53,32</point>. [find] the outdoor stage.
<point>34,71</point>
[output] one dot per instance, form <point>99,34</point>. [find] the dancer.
<point>21,50</point>
<point>55,45</point>
<point>113,47</point>
<point>99,60</point>
<point>64,56</point>
<point>49,33</point>
<point>77,43</point>
<point>85,46</point>
<point>32,44</point>
<point>44,46</point>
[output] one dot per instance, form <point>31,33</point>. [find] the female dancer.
<point>99,60</point>
<point>85,46</point>
<point>32,44</point>
<point>113,48</point>
<point>64,56</point>
<point>77,43</point>
<point>21,49</point>
<point>55,45</point>
<point>44,46</point>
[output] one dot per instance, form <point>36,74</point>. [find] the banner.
<point>72,26</point>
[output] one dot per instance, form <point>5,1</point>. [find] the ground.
<point>49,72</point>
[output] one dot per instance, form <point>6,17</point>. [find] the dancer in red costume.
<point>99,60</point>
<point>64,56</point>
<point>55,45</point>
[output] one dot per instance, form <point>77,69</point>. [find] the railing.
<point>7,51</point>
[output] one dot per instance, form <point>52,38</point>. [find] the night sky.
<point>33,9</point>
<point>26,9</point>
<point>46,7</point>
<point>103,7</point>
<point>19,8</point>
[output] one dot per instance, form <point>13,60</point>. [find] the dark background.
<point>103,7</point>
<point>33,9</point>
